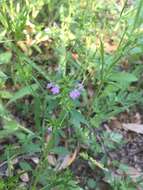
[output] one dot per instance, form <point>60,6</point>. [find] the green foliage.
<point>65,43</point>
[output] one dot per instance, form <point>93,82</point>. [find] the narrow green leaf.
<point>3,75</point>
<point>123,77</point>
<point>37,112</point>
<point>25,166</point>
<point>32,148</point>
<point>60,150</point>
<point>23,92</point>
<point>5,57</point>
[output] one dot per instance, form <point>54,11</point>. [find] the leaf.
<point>22,46</point>
<point>93,161</point>
<point>131,172</point>
<point>138,128</point>
<point>110,47</point>
<point>32,148</point>
<point>67,160</point>
<point>60,150</point>
<point>5,57</point>
<point>91,183</point>
<point>5,94</point>
<point>116,137</point>
<point>123,77</point>
<point>52,160</point>
<point>11,125</point>
<point>25,166</point>
<point>3,75</point>
<point>24,177</point>
<point>136,50</point>
<point>77,118</point>
<point>3,111</point>
<point>23,92</point>
<point>35,160</point>
<point>37,112</point>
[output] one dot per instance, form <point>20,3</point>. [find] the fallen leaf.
<point>24,177</point>
<point>35,160</point>
<point>67,160</point>
<point>22,46</point>
<point>39,39</point>
<point>110,47</point>
<point>15,161</point>
<point>30,28</point>
<point>134,173</point>
<point>52,160</point>
<point>138,128</point>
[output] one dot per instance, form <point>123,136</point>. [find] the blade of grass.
<point>136,20</point>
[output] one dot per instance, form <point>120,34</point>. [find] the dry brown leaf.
<point>40,39</point>
<point>22,46</point>
<point>67,160</point>
<point>110,47</point>
<point>52,160</point>
<point>138,128</point>
<point>30,27</point>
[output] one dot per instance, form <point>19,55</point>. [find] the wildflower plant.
<point>81,49</point>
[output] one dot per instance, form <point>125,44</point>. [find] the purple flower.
<point>49,85</point>
<point>55,89</point>
<point>74,94</point>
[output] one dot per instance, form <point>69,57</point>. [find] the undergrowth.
<point>67,67</point>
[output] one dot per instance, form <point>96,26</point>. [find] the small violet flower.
<point>53,88</point>
<point>74,94</point>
